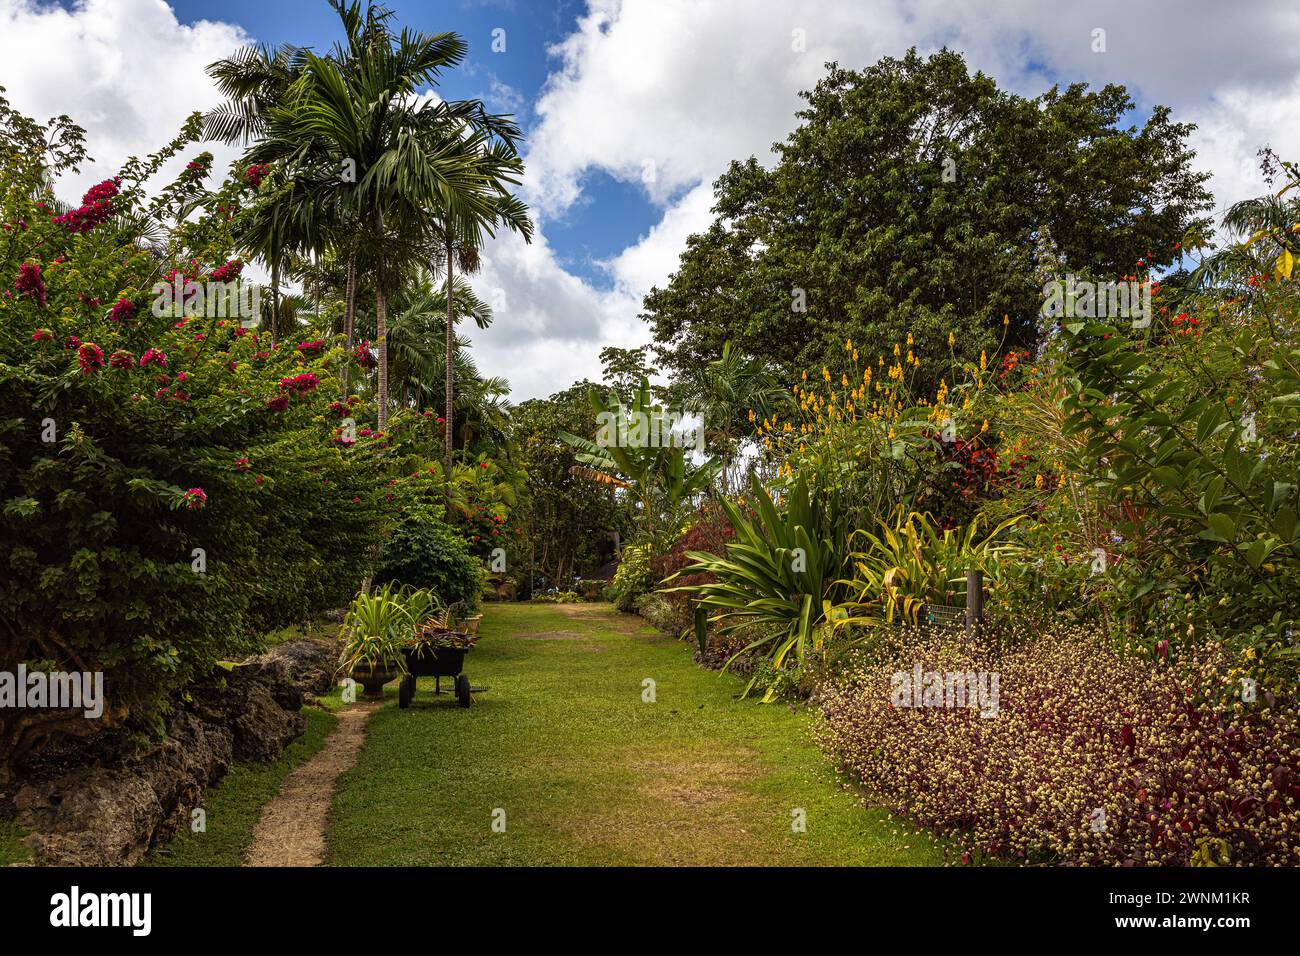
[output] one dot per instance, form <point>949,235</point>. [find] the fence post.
<point>974,600</point>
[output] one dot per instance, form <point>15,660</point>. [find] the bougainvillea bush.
<point>1091,758</point>
<point>171,485</point>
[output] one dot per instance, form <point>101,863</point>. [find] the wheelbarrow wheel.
<point>462,690</point>
<point>404,692</point>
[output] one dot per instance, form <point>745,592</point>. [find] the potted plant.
<point>375,629</point>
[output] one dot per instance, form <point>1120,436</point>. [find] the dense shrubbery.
<point>424,552</point>
<point>1132,479</point>
<point>171,484</point>
<point>1093,757</point>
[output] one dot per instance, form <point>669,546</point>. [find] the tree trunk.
<point>275,300</point>
<point>349,312</point>
<point>381,332</point>
<point>451,351</point>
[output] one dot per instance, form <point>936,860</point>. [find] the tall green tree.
<point>908,200</point>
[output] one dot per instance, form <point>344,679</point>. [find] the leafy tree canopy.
<point>908,200</point>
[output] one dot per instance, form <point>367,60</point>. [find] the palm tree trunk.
<point>275,300</point>
<point>381,334</point>
<point>349,312</point>
<point>451,351</point>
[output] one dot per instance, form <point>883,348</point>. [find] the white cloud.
<point>126,70</point>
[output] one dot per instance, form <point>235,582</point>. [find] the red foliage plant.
<point>1092,758</point>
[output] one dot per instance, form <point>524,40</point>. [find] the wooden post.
<point>974,601</point>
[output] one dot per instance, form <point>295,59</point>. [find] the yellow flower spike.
<point>897,350</point>
<point>844,380</point>
<point>952,339</point>
<point>909,338</point>
<point>983,360</point>
<point>826,373</point>
<point>751,414</point>
<point>880,360</point>
<point>1006,320</point>
<point>855,355</point>
<point>984,427</point>
<point>805,375</point>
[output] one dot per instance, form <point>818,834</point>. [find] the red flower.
<point>42,335</point>
<point>301,384</point>
<point>121,359</point>
<point>195,499</point>
<point>278,404</point>
<point>229,271</point>
<point>90,357</point>
<point>256,173</point>
<point>96,208</point>
<point>242,465</point>
<point>30,283</point>
<point>123,310</point>
<point>153,357</point>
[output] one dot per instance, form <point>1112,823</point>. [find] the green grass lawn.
<point>235,804</point>
<point>587,773</point>
<point>12,849</point>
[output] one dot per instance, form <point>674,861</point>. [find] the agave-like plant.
<point>781,574</point>
<point>913,563</point>
<point>380,623</point>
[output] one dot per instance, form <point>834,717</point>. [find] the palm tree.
<point>367,111</point>
<point>489,142</point>
<point>416,335</point>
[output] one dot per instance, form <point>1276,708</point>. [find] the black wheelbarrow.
<point>428,660</point>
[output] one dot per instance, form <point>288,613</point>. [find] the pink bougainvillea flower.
<point>96,208</point>
<point>153,357</point>
<point>256,173</point>
<point>123,310</point>
<point>42,335</point>
<point>195,499</point>
<point>278,404</point>
<point>242,465</point>
<point>227,273</point>
<point>90,357</point>
<point>121,359</point>
<point>30,282</point>
<point>300,384</point>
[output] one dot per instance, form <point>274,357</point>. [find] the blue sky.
<point>613,213</point>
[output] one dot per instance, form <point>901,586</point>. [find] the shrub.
<point>425,552</point>
<point>635,576</point>
<point>709,532</point>
<point>1092,758</point>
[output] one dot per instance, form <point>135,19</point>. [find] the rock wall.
<point>110,812</point>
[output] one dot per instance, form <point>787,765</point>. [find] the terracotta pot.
<point>373,680</point>
<point>470,624</point>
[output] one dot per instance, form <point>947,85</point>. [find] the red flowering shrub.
<point>96,208</point>
<point>709,532</point>
<point>129,544</point>
<point>1091,758</point>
